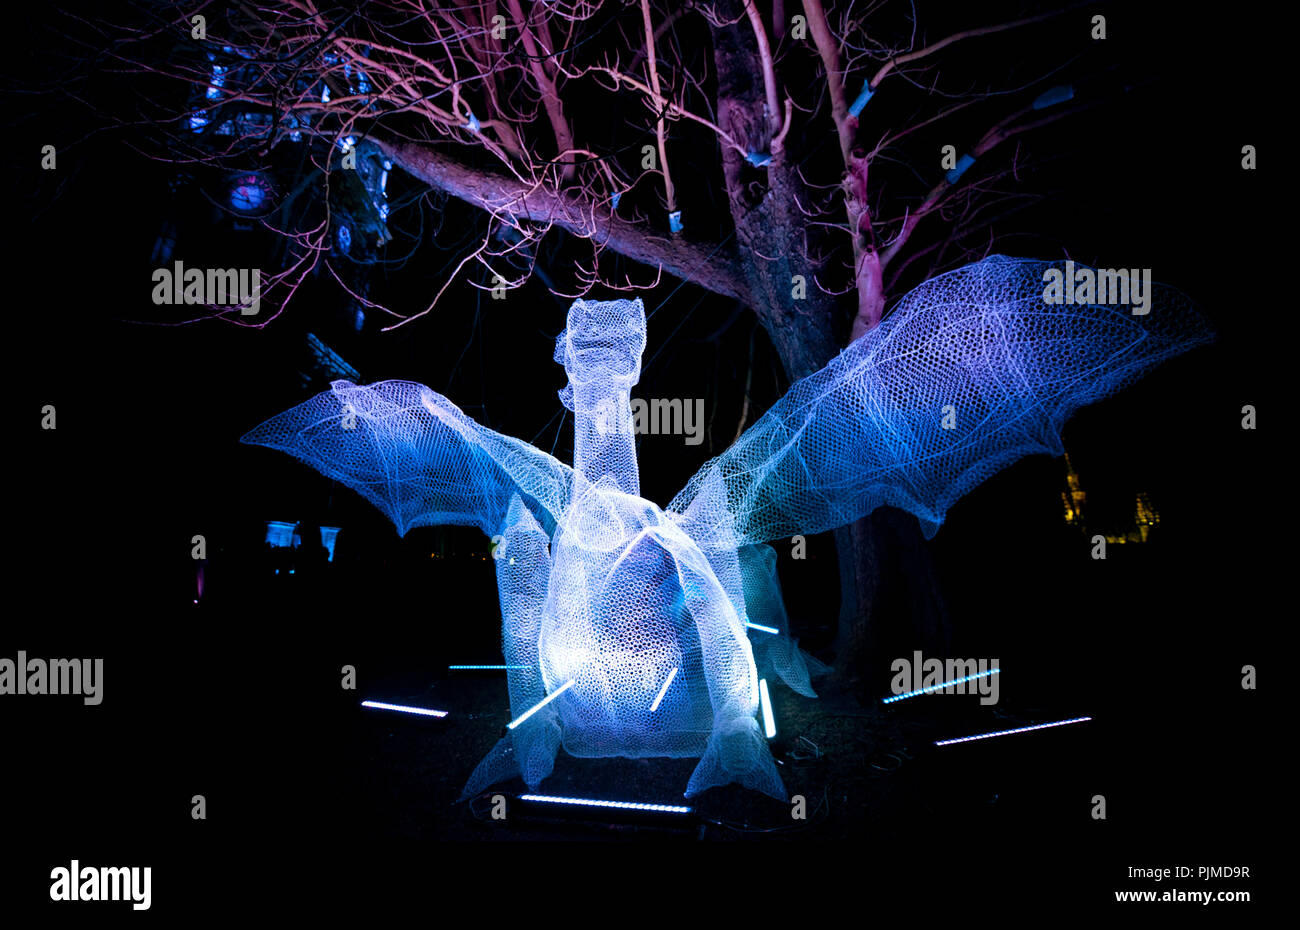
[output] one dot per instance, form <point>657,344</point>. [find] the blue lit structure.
<point>327,360</point>
<point>282,535</point>
<point>328,535</point>
<point>604,592</point>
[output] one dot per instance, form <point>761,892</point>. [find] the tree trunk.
<point>889,594</point>
<point>890,601</point>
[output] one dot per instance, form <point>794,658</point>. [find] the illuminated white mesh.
<point>977,348</point>
<point>602,589</point>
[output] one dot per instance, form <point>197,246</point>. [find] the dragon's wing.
<point>972,371</point>
<point>414,455</point>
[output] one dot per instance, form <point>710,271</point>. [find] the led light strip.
<point>546,700</point>
<point>1041,726</point>
<point>624,805</point>
<point>759,626</point>
<point>663,690</point>
<point>769,723</point>
<point>380,705</point>
<point>484,668</point>
<point>955,681</point>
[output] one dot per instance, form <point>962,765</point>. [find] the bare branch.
<point>506,197</point>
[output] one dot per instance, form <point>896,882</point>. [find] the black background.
<point>239,699</point>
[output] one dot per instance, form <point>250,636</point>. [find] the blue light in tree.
<point>247,194</point>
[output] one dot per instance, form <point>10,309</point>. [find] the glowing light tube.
<point>546,700</point>
<point>624,805</point>
<point>769,722</point>
<point>664,690</point>
<point>759,626</point>
<point>1041,726</point>
<point>484,668</point>
<point>380,705</point>
<point>938,687</point>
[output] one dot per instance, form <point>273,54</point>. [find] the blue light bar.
<point>664,689</point>
<point>759,626</point>
<point>769,722</point>
<point>380,705</point>
<point>484,668</point>
<point>546,700</point>
<point>955,681</point>
<point>1050,98</point>
<point>959,169</point>
<point>1041,726</point>
<point>860,101</point>
<point>623,805</point>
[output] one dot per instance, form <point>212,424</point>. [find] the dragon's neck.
<point>604,441</point>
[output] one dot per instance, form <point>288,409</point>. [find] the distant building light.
<point>328,534</point>
<point>281,535</point>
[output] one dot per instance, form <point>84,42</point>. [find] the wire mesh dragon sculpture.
<point>649,627</point>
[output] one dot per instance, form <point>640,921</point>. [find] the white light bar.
<point>664,690</point>
<point>769,723</point>
<point>380,705</point>
<point>624,805</point>
<point>484,668</point>
<point>546,700</point>
<point>759,626</point>
<point>955,681</point>
<point>1041,726</point>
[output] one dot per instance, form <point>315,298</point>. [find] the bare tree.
<point>576,114</point>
